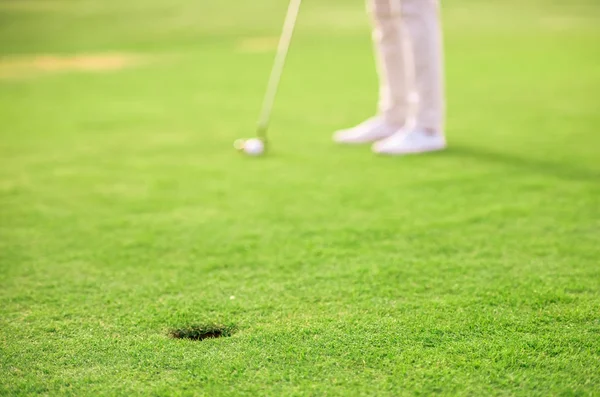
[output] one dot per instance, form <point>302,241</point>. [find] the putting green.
<point>125,214</point>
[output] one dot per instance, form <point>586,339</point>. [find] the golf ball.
<point>254,147</point>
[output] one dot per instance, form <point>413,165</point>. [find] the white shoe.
<point>371,130</point>
<point>410,141</point>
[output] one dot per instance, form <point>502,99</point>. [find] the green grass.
<point>125,214</point>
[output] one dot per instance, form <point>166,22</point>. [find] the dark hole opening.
<point>201,332</point>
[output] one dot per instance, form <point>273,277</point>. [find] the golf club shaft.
<point>282,50</point>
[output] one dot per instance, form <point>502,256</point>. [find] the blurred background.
<point>506,59</point>
<point>178,58</point>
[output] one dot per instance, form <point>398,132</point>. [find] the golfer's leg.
<point>390,50</point>
<point>422,21</point>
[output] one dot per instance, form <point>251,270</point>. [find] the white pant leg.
<point>391,50</point>
<point>422,23</point>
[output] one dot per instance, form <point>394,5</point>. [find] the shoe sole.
<point>366,142</point>
<point>409,152</point>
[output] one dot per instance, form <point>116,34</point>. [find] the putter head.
<point>251,147</point>
<point>239,144</point>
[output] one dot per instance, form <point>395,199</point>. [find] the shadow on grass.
<point>555,169</point>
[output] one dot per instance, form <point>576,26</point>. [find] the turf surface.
<point>125,215</point>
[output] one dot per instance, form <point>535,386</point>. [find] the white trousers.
<point>408,46</point>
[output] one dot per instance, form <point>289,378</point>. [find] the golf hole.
<point>201,332</point>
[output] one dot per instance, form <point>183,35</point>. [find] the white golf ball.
<point>254,147</point>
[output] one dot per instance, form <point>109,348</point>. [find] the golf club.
<point>282,51</point>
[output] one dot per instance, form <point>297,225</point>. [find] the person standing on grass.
<point>408,43</point>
